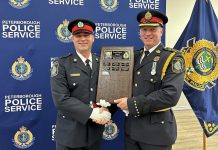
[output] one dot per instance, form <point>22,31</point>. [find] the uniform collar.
<point>153,48</point>
<point>83,58</point>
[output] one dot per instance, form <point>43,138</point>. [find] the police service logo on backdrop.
<point>109,5</point>
<point>110,131</point>
<point>201,64</point>
<point>63,34</point>
<point>19,4</point>
<point>23,139</point>
<point>21,69</point>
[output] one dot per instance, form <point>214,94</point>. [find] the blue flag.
<point>198,43</point>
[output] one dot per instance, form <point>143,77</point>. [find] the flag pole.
<point>204,141</point>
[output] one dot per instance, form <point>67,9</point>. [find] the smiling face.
<point>150,36</point>
<point>83,42</point>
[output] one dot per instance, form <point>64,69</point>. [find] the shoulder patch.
<point>54,69</point>
<point>178,64</point>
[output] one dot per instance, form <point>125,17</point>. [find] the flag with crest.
<point>199,44</point>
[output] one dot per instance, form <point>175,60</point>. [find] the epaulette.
<point>65,56</point>
<point>96,54</point>
<point>139,51</point>
<point>172,50</point>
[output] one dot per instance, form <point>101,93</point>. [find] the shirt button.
<point>138,73</point>
<point>91,89</point>
<point>162,122</point>
<point>136,84</point>
<point>151,80</point>
<point>63,117</point>
<point>74,84</point>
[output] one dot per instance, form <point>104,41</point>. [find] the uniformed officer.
<point>79,125</point>
<point>157,86</point>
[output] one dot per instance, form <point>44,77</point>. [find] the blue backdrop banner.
<point>199,42</point>
<point>33,34</point>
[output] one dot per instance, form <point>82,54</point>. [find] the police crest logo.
<point>19,4</point>
<point>23,139</point>
<point>109,5</point>
<point>110,131</point>
<point>21,69</point>
<point>201,61</point>
<point>62,33</point>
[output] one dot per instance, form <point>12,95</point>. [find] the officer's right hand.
<point>100,117</point>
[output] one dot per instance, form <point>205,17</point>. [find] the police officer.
<point>79,124</point>
<point>157,86</point>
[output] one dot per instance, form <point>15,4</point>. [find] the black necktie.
<point>145,55</point>
<point>88,67</point>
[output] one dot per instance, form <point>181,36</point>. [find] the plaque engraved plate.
<point>115,73</point>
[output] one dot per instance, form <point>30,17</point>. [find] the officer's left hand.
<point>122,103</point>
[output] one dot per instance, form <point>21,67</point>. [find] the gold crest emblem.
<point>148,16</point>
<point>201,61</point>
<point>110,131</point>
<point>23,138</point>
<point>21,69</point>
<point>109,5</point>
<point>62,32</point>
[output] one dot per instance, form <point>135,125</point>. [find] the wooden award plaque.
<point>115,73</point>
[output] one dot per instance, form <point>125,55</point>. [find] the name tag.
<point>75,74</point>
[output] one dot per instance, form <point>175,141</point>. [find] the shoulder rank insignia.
<point>54,69</point>
<point>177,64</point>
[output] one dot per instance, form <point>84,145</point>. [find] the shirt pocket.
<point>75,79</point>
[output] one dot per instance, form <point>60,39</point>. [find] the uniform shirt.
<point>84,59</point>
<point>150,50</point>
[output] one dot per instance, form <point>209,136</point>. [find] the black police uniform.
<point>157,86</point>
<point>72,90</point>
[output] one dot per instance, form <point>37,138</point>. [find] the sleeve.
<point>64,102</point>
<point>165,97</point>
